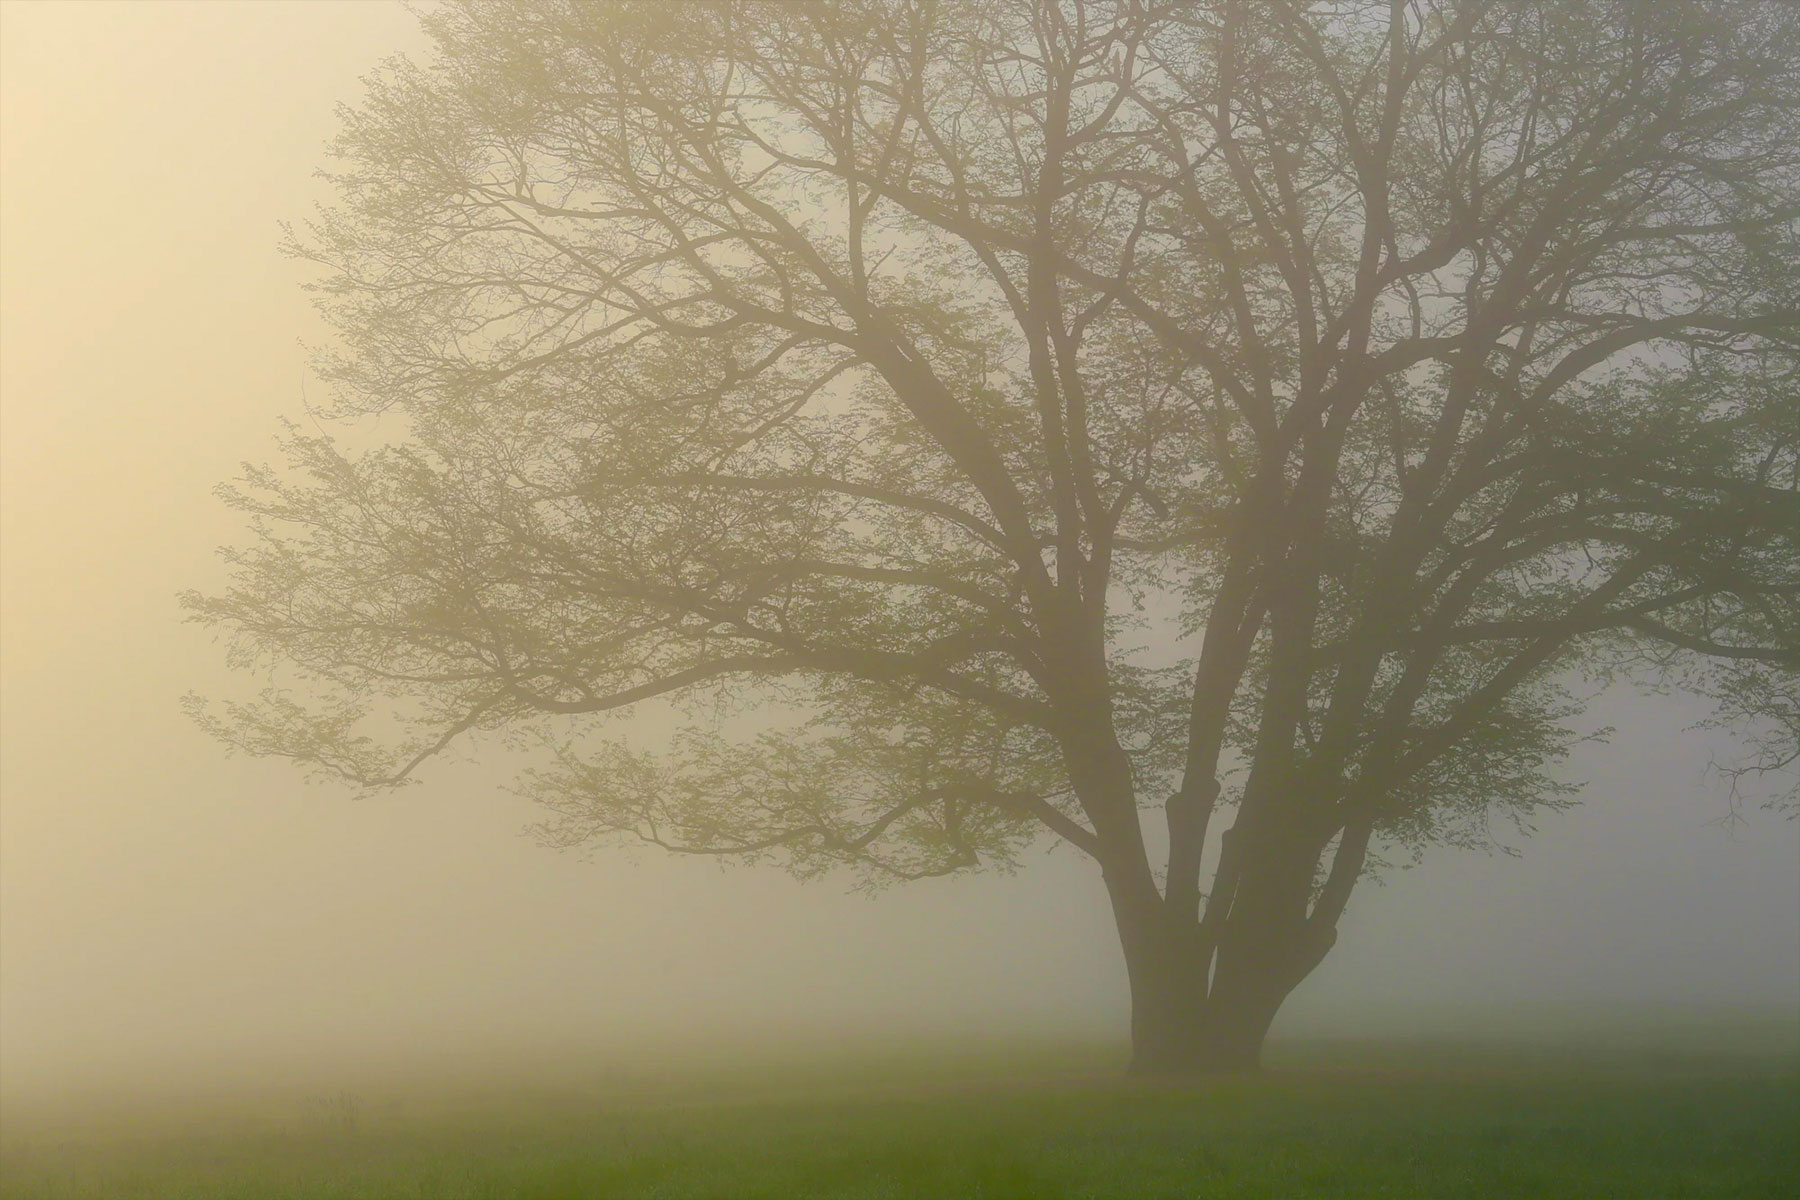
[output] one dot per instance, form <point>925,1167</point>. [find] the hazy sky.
<point>161,903</point>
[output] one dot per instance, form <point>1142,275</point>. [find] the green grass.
<point>1328,1120</point>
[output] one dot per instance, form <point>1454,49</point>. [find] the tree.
<point>1264,411</point>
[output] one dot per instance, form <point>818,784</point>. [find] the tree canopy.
<point>1040,411</point>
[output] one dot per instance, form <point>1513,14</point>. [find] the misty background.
<point>165,908</point>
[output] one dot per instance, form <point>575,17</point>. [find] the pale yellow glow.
<point>161,904</point>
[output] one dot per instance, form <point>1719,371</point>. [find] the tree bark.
<point>1199,1007</point>
<point>1168,1001</point>
<point>1180,1026</point>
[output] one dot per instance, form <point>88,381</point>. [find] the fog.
<point>166,908</point>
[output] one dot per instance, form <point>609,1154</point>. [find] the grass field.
<point>1327,1120</point>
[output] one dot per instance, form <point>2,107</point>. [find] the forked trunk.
<point>1177,1028</point>
<point>1195,1012</point>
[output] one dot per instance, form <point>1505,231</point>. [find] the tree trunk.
<point>1246,993</point>
<point>1195,1011</point>
<point>1179,1027</point>
<point>1168,1003</point>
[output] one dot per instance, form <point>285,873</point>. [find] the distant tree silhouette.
<point>1044,412</point>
